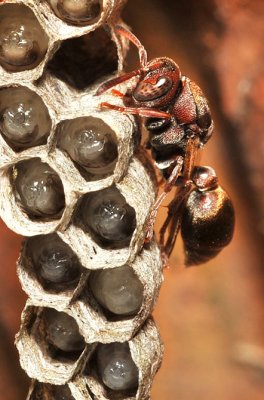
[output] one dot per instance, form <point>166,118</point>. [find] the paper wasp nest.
<point>74,183</point>
<point>144,352</point>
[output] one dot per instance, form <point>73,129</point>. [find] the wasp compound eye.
<point>147,91</point>
<point>62,331</point>
<point>77,12</point>
<point>109,217</point>
<point>39,189</point>
<point>116,367</point>
<point>23,43</point>
<point>24,118</point>
<point>118,290</point>
<point>91,144</point>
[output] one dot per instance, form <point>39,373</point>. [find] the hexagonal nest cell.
<point>50,346</point>
<point>107,217</point>
<point>80,12</point>
<point>85,59</point>
<point>71,391</point>
<point>91,144</point>
<point>49,270</point>
<point>70,183</point>
<point>142,357</point>
<point>45,391</point>
<point>24,118</point>
<point>38,190</point>
<point>113,367</point>
<point>23,41</point>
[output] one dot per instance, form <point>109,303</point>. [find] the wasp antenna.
<point>116,81</point>
<point>121,30</point>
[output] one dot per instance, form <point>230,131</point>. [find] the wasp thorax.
<point>116,367</point>
<point>55,264</point>
<point>24,118</point>
<point>77,12</point>
<point>118,290</point>
<point>23,43</point>
<point>39,189</point>
<point>108,216</point>
<point>91,144</point>
<point>62,331</point>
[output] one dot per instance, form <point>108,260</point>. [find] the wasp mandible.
<point>178,119</point>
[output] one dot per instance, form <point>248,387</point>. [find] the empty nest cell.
<point>85,59</point>
<point>63,158</point>
<point>31,33</point>
<point>42,391</point>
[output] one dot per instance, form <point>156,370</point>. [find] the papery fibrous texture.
<point>74,182</point>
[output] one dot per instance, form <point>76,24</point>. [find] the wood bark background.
<point>212,317</point>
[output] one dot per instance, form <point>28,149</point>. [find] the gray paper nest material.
<point>73,96</point>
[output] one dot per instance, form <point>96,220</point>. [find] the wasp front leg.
<point>173,221</point>
<point>140,111</point>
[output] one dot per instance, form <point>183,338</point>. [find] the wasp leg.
<point>172,222</point>
<point>129,35</point>
<point>116,81</point>
<point>190,157</point>
<point>160,182</point>
<point>174,219</point>
<point>167,188</point>
<point>142,112</point>
<point>117,93</point>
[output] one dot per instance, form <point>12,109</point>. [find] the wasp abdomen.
<point>207,224</point>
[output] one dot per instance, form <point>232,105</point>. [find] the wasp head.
<point>158,83</point>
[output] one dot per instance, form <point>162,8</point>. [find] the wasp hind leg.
<point>167,188</point>
<point>173,220</point>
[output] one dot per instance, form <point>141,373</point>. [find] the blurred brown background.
<point>212,317</point>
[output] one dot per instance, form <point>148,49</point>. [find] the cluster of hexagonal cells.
<point>71,184</point>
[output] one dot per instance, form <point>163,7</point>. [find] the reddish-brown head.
<point>157,84</point>
<point>158,80</point>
